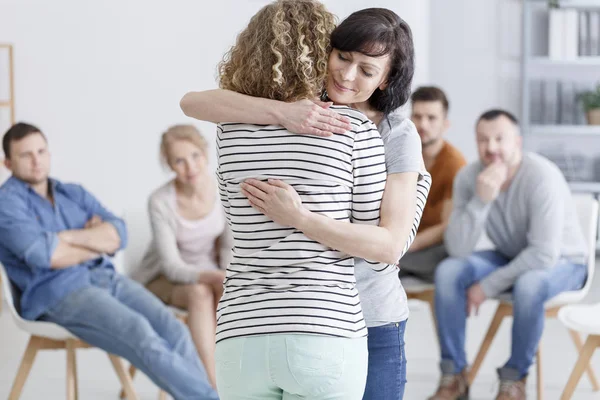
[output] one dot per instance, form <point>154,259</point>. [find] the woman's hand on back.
<point>313,117</point>
<point>276,199</point>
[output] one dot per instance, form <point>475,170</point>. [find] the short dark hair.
<point>17,132</point>
<point>376,32</point>
<point>431,93</point>
<point>496,113</point>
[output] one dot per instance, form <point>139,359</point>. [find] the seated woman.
<point>191,246</point>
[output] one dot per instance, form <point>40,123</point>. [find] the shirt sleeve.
<point>92,207</point>
<point>172,265</point>
<point>468,217</point>
<point>403,151</point>
<point>22,234</point>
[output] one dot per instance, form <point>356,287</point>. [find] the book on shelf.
<point>554,102</point>
<point>593,33</point>
<point>573,33</point>
<point>563,34</point>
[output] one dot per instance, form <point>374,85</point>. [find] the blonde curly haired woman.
<point>191,243</point>
<point>289,324</point>
<point>370,67</point>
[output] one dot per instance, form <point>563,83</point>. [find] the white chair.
<point>587,210</point>
<point>49,336</point>
<point>581,318</point>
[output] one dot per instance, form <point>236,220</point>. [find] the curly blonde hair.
<point>282,54</point>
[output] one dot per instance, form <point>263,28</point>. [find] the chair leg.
<point>132,371</point>
<point>26,363</point>
<point>585,355</point>
<point>124,377</point>
<point>71,371</point>
<point>540,376</point>
<point>430,298</point>
<point>589,370</point>
<point>501,312</point>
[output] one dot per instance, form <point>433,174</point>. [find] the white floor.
<point>98,381</point>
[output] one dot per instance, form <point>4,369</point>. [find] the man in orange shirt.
<point>443,161</point>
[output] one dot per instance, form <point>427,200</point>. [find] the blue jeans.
<point>387,362</point>
<point>121,317</point>
<point>529,293</point>
<point>291,367</point>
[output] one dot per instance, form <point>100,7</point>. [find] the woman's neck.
<point>369,111</point>
<point>197,190</point>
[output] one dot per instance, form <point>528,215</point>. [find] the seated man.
<point>523,203</point>
<point>443,161</point>
<point>54,238</point>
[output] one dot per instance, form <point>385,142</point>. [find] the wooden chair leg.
<point>540,376</point>
<point>589,370</point>
<point>26,363</point>
<point>585,355</point>
<point>431,301</point>
<point>132,371</point>
<point>501,312</point>
<point>124,377</point>
<point>71,371</point>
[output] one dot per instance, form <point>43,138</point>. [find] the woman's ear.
<point>383,85</point>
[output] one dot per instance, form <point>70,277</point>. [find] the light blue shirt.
<point>29,227</point>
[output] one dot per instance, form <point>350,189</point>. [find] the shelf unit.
<point>10,101</point>
<point>536,66</point>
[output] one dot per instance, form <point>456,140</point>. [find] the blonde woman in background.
<point>184,265</point>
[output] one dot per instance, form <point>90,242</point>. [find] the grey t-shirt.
<point>533,222</point>
<point>381,294</point>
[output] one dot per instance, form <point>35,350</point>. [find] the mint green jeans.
<point>291,367</point>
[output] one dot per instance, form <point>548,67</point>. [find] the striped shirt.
<point>279,280</point>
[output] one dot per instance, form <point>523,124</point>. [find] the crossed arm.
<point>25,237</point>
<point>80,245</point>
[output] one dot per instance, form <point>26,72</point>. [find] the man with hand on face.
<point>523,203</point>
<point>443,161</point>
<point>54,242</point>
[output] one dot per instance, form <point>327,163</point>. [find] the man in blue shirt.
<point>54,242</point>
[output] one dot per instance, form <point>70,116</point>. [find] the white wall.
<point>475,51</point>
<point>103,79</point>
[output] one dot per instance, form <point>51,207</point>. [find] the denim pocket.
<point>316,363</point>
<point>228,362</point>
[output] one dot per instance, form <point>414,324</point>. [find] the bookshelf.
<point>7,86</point>
<point>581,62</point>
<point>564,130</point>
<point>570,142</point>
<point>542,66</point>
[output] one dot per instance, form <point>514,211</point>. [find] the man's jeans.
<point>121,317</point>
<point>386,377</point>
<point>529,293</point>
